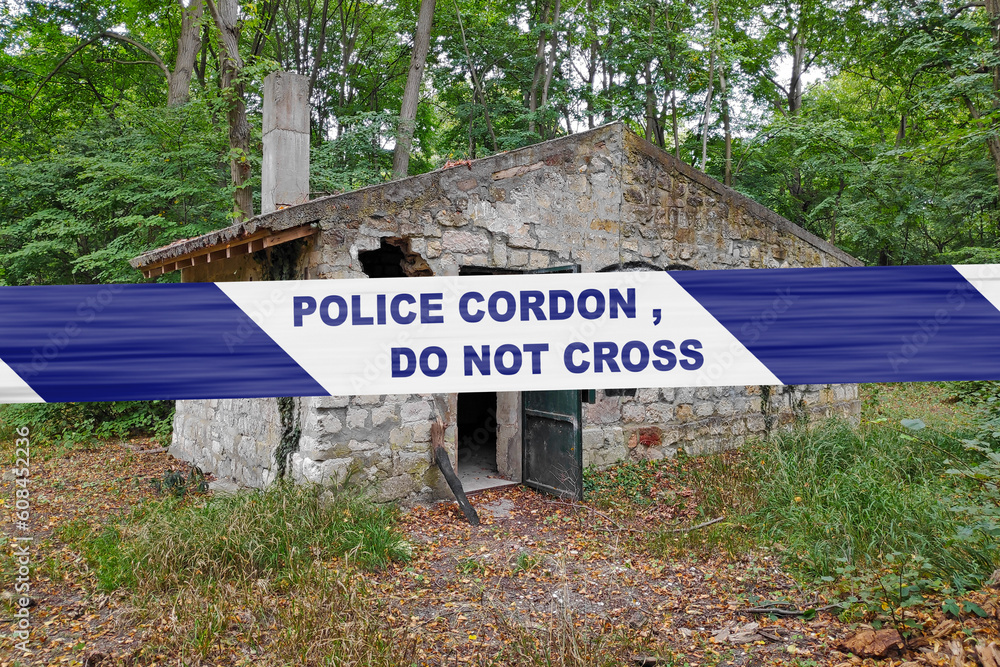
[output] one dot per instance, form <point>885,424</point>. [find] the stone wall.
<point>656,423</point>
<point>597,199</point>
<point>233,439</point>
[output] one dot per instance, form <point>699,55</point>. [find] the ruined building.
<point>599,200</point>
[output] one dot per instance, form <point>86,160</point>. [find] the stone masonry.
<point>600,199</point>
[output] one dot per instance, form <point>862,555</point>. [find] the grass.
<point>173,543</point>
<point>829,498</point>
<point>320,617</point>
<point>275,575</point>
<point>834,494</point>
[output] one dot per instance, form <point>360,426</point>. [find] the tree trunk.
<point>592,65</point>
<point>673,123</point>
<point>672,81</point>
<point>728,179</point>
<point>711,80</point>
<point>795,84</point>
<point>411,94</point>
<point>539,73</point>
<point>652,132</point>
<point>226,15</point>
<point>551,65</point>
<point>836,209</point>
<point>350,28</point>
<point>321,45</point>
<point>188,45</point>
<point>477,90</point>
<point>993,142</point>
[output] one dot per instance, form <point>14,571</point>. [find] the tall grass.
<point>172,543</point>
<point>269,577</point>
<point>833,494</point>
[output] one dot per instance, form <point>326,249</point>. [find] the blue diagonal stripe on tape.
<point>142,342</point>
<point>875,324</point>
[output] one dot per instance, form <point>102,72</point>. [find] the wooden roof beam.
<point>222,251</point>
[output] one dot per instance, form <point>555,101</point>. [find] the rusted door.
<point>552,424</point>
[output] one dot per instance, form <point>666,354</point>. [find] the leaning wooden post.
<point>444,463</point>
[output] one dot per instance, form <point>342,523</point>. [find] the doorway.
<point>534,437</point>
<point>477,442</point>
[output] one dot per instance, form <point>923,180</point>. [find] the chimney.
<point>285,172</point>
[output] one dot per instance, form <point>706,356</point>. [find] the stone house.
<point>599,200</point>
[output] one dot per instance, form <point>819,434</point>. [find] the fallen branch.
<point>777,611</point>
<point>626,529</point>
<point>593,511</point>
<point>444,464</point>
<point>136,450</point>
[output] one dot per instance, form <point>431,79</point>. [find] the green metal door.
<point>552,443</point>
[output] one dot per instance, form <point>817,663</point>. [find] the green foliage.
<point>842,504</point>
<point>78,423</point>
<point>274,533</point>
<point>471,566</point>
<point>836,495</point>
<point>357,157</point>
<point>983,394</point>
<point>110,191</point>
<point>178,485</point>
<point>525,562</point>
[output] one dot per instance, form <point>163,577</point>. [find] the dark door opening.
<point>477,441</point>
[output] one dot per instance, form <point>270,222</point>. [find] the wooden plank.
<point>253,243</point>
<point>289,235</point>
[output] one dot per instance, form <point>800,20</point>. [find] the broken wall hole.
<point>393,259</point>
<point>629,267</point>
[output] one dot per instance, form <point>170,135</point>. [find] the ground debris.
<point>874,643</point>
<point>988,655</point>
<point>736,633</point>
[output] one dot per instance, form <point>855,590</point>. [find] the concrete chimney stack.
<point>285,172</point>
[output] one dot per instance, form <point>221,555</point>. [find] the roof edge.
<point>730,195</point>
<point>315,209</point>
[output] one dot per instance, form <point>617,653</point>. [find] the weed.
<point>175,483</point>
<point>634,481</point>
<point>323,618</point>
<point>842,505</point>
<point>471,566</point>
<point>73,531</point>
<point>558,643</point>
<point>525,562</point>
<point>836,494</point>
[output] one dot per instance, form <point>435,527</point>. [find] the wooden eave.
<point>259,240</point>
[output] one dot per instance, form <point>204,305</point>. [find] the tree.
<point>226,16</point>
<point>411,94</point>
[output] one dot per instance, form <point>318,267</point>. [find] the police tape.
<point>499,333</point>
